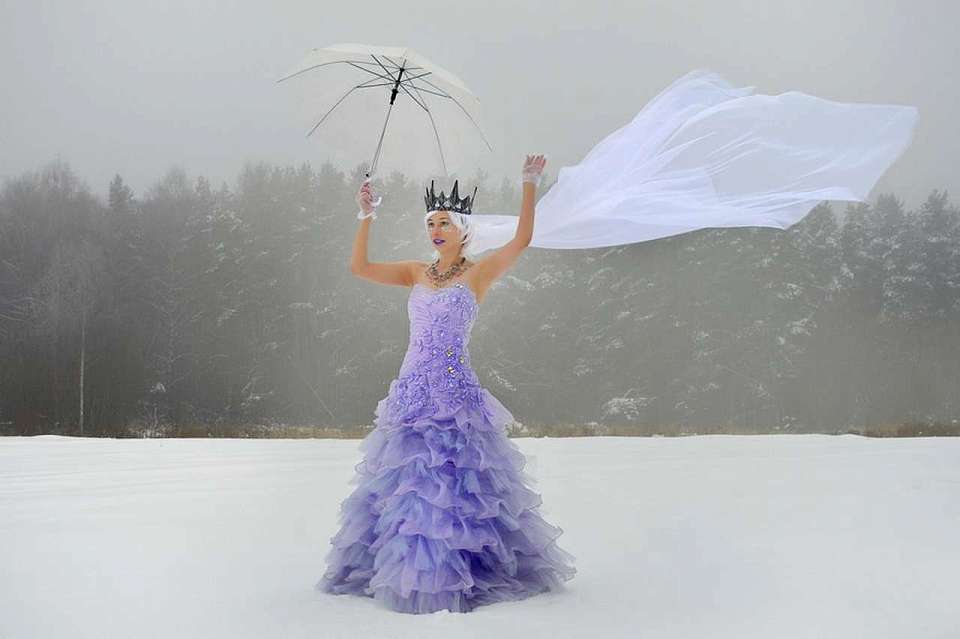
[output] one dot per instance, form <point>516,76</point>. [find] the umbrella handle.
<point>376,202</point>
<point>360,214</point>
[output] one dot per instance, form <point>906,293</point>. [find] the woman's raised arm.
<point>490,268</point>
<point>394,273</point>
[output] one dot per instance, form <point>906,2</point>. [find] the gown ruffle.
<point>443,515</point>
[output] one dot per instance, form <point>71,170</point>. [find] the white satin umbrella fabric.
<point>706,154</point>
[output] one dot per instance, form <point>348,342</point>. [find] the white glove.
<point>533,169</point>
<point>365,200</point>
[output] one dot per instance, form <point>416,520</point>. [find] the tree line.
<point>232,311</point>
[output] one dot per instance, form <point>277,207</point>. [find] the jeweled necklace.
<point>453,271</point>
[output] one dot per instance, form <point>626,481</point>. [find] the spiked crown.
<point>453,202</point>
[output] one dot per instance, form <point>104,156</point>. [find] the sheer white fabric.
<point>704,154</point>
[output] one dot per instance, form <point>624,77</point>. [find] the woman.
<point>443,516</point>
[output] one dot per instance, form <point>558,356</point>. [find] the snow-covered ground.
<point>707,537</point>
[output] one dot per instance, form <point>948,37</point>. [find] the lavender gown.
<point>442,516</point>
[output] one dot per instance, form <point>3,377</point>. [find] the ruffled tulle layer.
<point>443,517</point>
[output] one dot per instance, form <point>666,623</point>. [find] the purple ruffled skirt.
<point>442,516</point>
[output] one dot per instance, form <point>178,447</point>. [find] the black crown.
<point>451,203</point>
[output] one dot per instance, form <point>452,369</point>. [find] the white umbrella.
<point>435,125</point>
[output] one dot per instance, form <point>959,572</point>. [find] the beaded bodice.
<point>440,323</point>
<point>436,371</point>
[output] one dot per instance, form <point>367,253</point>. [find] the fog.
<point>136,87</point>
<point>174,249</point>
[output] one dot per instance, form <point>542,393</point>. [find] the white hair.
<point>463,223</point>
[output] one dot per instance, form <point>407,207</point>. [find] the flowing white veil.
<point>704,154</point>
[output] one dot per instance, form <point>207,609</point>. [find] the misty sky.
<point>134,87</point>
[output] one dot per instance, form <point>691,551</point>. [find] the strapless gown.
<point>443,516</point>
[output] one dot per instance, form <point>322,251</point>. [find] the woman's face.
<point>443,233</point>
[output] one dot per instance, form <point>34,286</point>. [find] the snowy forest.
<point>195,310</point>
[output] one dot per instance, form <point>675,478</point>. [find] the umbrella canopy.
<point>373,103</point>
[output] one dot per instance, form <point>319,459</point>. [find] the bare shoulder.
<point>493,266</point>
<point>473,279</point>
<point>417,269</point>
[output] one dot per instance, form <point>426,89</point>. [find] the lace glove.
<point>365,200</point>
<point>533,169</point>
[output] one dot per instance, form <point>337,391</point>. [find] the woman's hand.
<point>365,198</point>
<point>533,169</point>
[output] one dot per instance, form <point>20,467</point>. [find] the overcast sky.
<point>133,87</point>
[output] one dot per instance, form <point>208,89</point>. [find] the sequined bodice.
<point>436,370</point>
<point>440,323</point>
